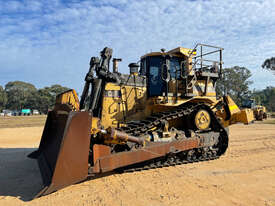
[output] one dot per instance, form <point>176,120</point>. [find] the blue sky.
<point>49,42</point>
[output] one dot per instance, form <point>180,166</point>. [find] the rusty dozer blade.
<point>64,150</point>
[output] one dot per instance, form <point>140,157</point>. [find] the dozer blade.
<point>64,150</point>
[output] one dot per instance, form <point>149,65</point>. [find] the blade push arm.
<point>94,62</point>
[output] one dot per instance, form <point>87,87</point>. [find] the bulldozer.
<point>165,112</point>
<point>259,111</point>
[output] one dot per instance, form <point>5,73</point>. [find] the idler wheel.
<point>202,119</point>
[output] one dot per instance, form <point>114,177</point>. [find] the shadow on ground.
<point>19,175</point>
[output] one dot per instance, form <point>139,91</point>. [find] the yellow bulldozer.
<point>259,111</point>
<point>165,112</point>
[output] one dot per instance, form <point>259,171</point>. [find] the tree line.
<point>17,95</point>
<point>235,82</point>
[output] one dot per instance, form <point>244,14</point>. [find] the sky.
<point>51,42</point>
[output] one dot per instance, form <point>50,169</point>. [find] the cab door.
<point>156,86</point>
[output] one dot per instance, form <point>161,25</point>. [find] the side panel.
<point>123,103</point>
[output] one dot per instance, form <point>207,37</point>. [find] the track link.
<point>168,161</point>
<point>139,128</point>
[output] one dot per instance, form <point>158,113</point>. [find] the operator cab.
<point>154,68</point>
<point>182,72</point>
<point>249,103</point>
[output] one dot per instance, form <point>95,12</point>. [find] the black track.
<point>139,128</point>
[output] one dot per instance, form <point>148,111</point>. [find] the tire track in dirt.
<point>243,171</point>
<point>252,146</point>
<point>269,144</point>
<point>255,139</point>
<point>254,151</point>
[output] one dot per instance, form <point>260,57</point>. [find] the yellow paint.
<point>95,125</point>
<point>202,119</point>
<point>131,105</point>
<point>179,51</point>
<point>69,97</point>
<point>233,107</point>
<point>183,51</point>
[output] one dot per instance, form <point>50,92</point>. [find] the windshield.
<point>175,67</point>
<point>248,103</point>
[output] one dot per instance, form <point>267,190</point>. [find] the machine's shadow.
<point>19,175</point>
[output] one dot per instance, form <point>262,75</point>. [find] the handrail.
<point>198,60</point>
<point>212,52</point>
<point>207,45</point>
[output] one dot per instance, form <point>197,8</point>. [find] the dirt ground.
<point>22,121</point>
<point>245,175</point>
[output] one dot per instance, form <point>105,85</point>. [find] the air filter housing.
<point>133,68</point>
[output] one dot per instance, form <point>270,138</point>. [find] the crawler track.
<point>139,128</point>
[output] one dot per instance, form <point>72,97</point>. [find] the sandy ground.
<point>244,176</point>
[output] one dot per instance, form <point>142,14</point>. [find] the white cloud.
<point>53,41</point>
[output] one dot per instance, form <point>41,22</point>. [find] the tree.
<point>271,103</point>
<point>269,64</point>
<point>265,97</point>
<point>3,98</point>
<point>57,89</point>
<point>46,97</point>
<point>18,94</point>
<point>235,82</point>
